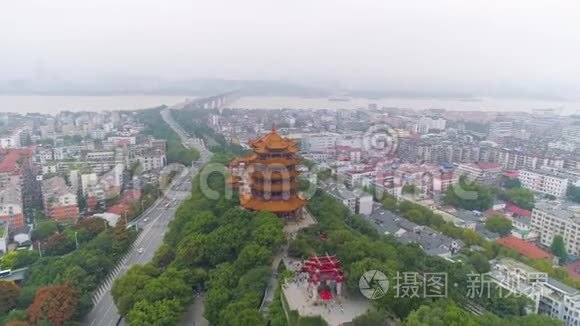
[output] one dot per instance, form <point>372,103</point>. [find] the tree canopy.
<point>56,304</point>
<point>9,293</point>
<point>499,224</point>
<point>522,197</point>
<point>558,248</point>
<point>469,195</point>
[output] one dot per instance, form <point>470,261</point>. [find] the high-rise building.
<point>550,220</point>
<point>60,202</point>
<point>544,182</point>
<point>482,173</point>
<point>319,142</point>
<point>500,129</point>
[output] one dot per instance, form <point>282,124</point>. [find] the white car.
<point>140,250</point>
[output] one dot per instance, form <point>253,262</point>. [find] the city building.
<point>11,208</point>
<point>353,178</point>
<point>153,159</point>
<point>500,129</point>
<point>427,124</point>
<point>432,242</point>
<point>517,159</point>
<point>525,248</point>
<point>321,142</point>
<point>268,176</point>
<point>357,201</point>
<point>544,182</point>
<point>481,173</point>
<point>563,146</point>
<point>550,219</point>
<point>549,296</point>
<point>60,202</point>
<point>4,237</point>
<point>14,138</point>
<point>17,170</point>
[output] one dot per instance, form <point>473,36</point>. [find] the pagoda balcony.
<point>273,205</point>
<point>275,175</point>
<point>269,161</point>
<point>275,187</point>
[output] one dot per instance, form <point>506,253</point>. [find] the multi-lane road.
<point>154,224</point>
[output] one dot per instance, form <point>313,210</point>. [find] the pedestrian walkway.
<point>334,312</point>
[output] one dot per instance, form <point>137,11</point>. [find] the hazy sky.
<point>359,42</point>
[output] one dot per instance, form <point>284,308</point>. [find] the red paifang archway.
<point>324,268</point>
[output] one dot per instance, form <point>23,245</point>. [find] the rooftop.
<point>522,219</point>
<point>560,210</point>
<point>273,141</point>
<point>9,159</point>
<point>574,269</point>
<point>518,211</point>
<point>486,165</point>
<point>511,174</point>
<point>405,231</point>
<point>544,172</point>
<point>525,248</point>
<point>55,186</point>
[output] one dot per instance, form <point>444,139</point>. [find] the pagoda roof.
<point>272,141</point>
<point>274,206</point>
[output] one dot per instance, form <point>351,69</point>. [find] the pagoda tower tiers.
<point>266,178</point>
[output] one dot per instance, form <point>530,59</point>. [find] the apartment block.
<point>545,182</point>
<point>549,220</point>
<point>481,173</point>
<point>357,201</point>
<point>319,142</point>
<point>11,208</point>
<point>516,159</point>
<point>549,296</point>
<point>60,201</point>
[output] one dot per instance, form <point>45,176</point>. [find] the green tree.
<point>468,195</point>
<point>499,224</point>
<point>217,298</point>
<point>44,229</point>
<point>479,262</point>
<point>512,183</point>
<point>169,285</point>
<point>163,312</point>
<point>558,248</point>
<point>128,290</point>
<point>574,193</point>
<point>372,318</point>
<point>299,248</point>
<point>409,189</point>
<point>25,258</point>
<point>248,317</point>
<point>163,256</point>
<point>390,203</point>
<point>251,256</point>
<point>417,216</point>
<point>520,196</point>
<point>59,244</point>
<point>451,315</point>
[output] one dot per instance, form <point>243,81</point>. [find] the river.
<point>54,104</point>
<point>479,104</point>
